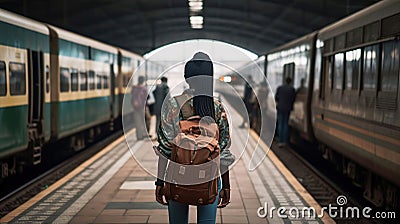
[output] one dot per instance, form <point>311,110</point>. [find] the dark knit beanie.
<point>199,73</point>
<point>200,64</point>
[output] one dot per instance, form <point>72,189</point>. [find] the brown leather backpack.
<point>193,169</point>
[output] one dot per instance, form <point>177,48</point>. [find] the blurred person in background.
<point>284,98</point>
<point>141,110</point>
<point>161,91</point>
<point>248,98</point>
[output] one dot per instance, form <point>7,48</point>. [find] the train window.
<point>91,80</point>
<point>329,68</point>
<point>98,81</point>
<point>338,71</point>
<point>105,82</point>
<point>371,31</point>
<point>288,71</point>
<point>17,79</point>
<point>391,26</point>
<point>74,80</point>
<point>64,79</point>
<point>354,37</point>
<point>340,42</point>
<point>353,68</point>
<point>370,69</point>
<point>125,80</point>
<point>47,70</point>
<point>83,80</point>
<point>390,66</point>
<point>328,45</point>
<point>3,86</point>
<point>116,84</point>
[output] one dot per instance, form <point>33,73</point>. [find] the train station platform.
<point>112,187</point>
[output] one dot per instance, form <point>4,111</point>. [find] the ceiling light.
<point>197,26</point>
<point>196,19</point>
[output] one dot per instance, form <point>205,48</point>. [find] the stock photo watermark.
<point>341,211</point>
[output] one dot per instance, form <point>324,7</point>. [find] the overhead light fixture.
<point>196,22</point>
<point>195,6</point>
<point>197,26</point>
<point>195,10</point>
<point>196,19</point>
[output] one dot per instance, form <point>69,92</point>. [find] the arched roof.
<point>144,25</point>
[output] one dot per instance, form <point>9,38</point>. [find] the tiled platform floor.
<point>115,189</point>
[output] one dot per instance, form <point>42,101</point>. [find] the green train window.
<point>17,79</point>
<point>105,80</point>
<point>3,86</point>
<point>83,80</point>
<point>91,80</point>
<point>64,79</point>
<point>74,80</point>
<point>390,66</point>
<point>98,81</point>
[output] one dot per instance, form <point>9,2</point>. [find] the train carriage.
<point>57,86</point>
<point>82,85</point>
<point>130,64</point>
<point>356,98</point>
<point>347,99</point>
<point>24,93</point>
<point>295,60</point>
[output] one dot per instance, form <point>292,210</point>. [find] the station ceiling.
<point>144,25</point>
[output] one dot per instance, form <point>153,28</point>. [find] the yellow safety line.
<point>10,216</point>
<point>291,179</point>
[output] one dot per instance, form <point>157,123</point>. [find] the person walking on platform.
<point>139,104</point>
<point>199,102</point>
<point>159,94</point>
<point>284,98</point>
<point>247,98</point>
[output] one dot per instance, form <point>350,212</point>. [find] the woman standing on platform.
<point>199,76</point>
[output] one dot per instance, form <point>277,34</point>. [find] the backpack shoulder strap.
<point>184,106</point>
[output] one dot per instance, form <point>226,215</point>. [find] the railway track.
<point>322,181</point>
<point>318,176</point>
<point>45,176</point>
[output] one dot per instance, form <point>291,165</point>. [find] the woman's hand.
<point>160,194</point>
<point>224,197</point>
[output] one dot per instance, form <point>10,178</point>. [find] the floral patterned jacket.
<point>170,117</point>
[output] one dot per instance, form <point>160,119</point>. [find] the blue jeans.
<point>283,126</point>
<point>206,214</point>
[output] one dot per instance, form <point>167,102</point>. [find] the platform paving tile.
<point>82,219</point>
<point>114,205</point>
<point>111,204</point>
<point>122,219</point>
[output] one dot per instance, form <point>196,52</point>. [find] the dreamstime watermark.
<point>332,211</point>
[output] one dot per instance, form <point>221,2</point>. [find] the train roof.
<point>129,54</point>
<point>67,35</point>
<point>293,43</point>
<point>22,21</point>
<point>366,16</point>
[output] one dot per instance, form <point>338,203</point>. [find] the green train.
<point>56,85</point>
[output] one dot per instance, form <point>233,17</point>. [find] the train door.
<point>288,71</point>
<point>36,104</point>
<point>112,96</point>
